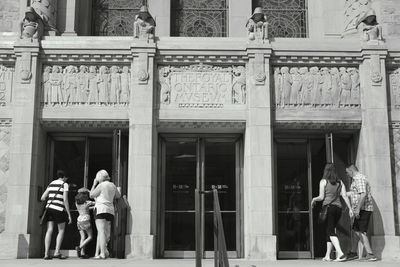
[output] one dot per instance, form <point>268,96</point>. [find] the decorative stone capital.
<point>375,54</point>
<point>25,51</point>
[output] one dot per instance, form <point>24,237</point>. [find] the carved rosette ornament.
<point>201,86</point>
<point>143,75</point>
<point>303,87</point>
<point>86,85</point>
<point>260,77</point>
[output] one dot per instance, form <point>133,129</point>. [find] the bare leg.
<point>366,244</point>
<point>336,244</point>
<point>87,240</point>
<point>101,228</point>
<point>60,237</point>
<point>328,251</point>
<point>47,239</point>
<point>360,245</point>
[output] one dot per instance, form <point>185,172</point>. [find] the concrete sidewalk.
<point>186,263</point>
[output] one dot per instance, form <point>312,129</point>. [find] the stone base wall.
<point>5,137</point>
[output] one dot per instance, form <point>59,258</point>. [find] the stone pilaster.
<point>373,155</point>
<point>16,237</point>
<point>70,18</point>
<point>260,240</point>
<point>141,177</point>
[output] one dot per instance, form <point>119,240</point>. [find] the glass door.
<point>204,164</point>
<point>300,164</point>
<point>81,157</point>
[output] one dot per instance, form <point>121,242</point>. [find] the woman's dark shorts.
<point>56,216</point>
<point>107,216</point>
<point>361,224</point>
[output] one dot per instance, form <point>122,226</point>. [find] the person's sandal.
<point>341,258</point>
<point>85,256</point>
<point>78,251</point>
<point>326,259</point>
<point>59,256</point>
<point>47,258</point>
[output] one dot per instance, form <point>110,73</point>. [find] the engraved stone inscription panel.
<point>314,87</point>
<point>6,81</point>
<point>394,79</point>
<point>5,137</point>
<point>86,85</point>
<point>201,86</point>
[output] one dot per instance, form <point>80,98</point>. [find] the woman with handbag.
<point>331,188</point>
<point>56,211</point>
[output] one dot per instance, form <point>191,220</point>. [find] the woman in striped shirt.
<point>57,212</point>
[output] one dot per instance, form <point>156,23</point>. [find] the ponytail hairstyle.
<point>330,174</point>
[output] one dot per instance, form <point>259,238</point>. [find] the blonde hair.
<point>102,176</point>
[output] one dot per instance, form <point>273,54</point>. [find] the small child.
<point>83,222</point>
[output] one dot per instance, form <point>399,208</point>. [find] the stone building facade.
<point>207,103</point>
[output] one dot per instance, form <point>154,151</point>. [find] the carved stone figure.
<point>46,84</point>
<point>257,25</point>
<point>103,85</point>
<point>368,26</point>
<point>56,80</point>
<point>336,89</point>
<point>69,88</point>
<point>47,10</point>
<point>327,96</point>
<point>83,84</point>
<point>286,86</point>
<point>93,90</point>
<point>239,85</point>
<point>354,9</point>
<point>355,86</point>
<point>345,84</point>
<point>144,25</point>
<point>278,85</point>
<point>165,89</point>
<point>295,93</point>
<point>32,26</point>
<point>115,86</point>
<point>308,85</point>
<point>317,88</point>
<point>125,85</point>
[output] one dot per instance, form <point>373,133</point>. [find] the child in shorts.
<point>83,222</point>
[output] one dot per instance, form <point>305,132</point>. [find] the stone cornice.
<point>62,125</point>
<point>318,125</point>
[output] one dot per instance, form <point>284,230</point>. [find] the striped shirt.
<point>55,199</point>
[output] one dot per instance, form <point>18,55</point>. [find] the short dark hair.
<point>82,197</point>
<point>60,174</point>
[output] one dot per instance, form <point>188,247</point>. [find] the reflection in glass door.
<point>203,163</point>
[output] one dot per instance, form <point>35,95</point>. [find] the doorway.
<point>81,156</point>
<point>300,162</point>
<point>204,163</point>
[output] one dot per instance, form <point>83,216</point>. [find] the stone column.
<point>141,176</point>
<point>161,12</point>
<point>70,18</point>
<point>48,11</point>
<point>373,157</point>
<point>260,239</point>
<point>15,241</point>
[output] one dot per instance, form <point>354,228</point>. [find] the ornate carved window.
<point>286,18</point>
<point>199,18</point>
<point>115,17</point>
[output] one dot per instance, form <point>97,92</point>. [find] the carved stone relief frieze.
<point>314,87</point>
<point>201,86</point>
<point>394,80</point>
<point>86,85</point>
<point>6,82</point>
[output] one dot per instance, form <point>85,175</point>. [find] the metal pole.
<point>198,227</point>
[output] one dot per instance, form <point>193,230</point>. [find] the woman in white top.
<point>104,193</point>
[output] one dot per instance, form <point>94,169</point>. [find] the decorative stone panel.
<point>5,138</point>
<point>85,124</point>
<point>314,87</point>
<point>6,82</point>
<point>9,15</point>
<point>201,86</point>
<point>86,85</point>
<point>394,81</point>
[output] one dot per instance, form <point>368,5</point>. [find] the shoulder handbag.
<point>42,218</point>
<point>324,210</point>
